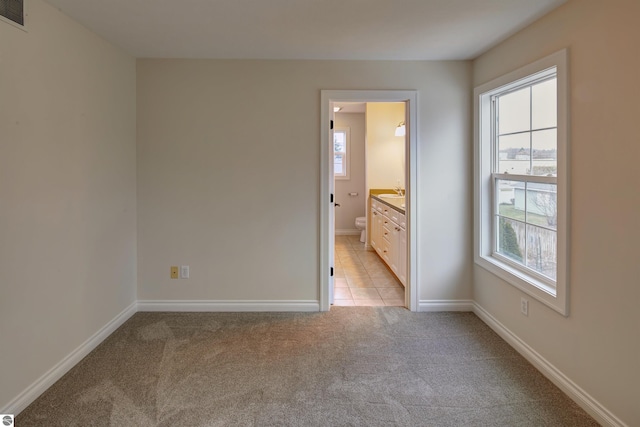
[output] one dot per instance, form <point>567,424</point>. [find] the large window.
<point>341,153</point>
<point>521,179</point>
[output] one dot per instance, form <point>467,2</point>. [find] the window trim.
<point>346,159</point>
<point>484,184</point>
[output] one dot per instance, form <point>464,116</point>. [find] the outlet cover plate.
<point>184,271</point>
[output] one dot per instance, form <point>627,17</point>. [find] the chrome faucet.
<point>399,190</point>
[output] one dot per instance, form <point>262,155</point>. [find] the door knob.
<point>337,205</point>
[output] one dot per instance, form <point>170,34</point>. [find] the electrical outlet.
<point>174,271</point>
<point>184,271</point>
<point>524,306</point>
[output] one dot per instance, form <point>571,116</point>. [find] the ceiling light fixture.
<point>401,130</point>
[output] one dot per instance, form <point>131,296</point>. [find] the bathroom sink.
<point>390,196</point>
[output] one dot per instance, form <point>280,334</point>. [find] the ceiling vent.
<point>12,11</point>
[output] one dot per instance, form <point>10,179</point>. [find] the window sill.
<point>530,285</point>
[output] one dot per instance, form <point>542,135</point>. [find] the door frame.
<point>327,214</point>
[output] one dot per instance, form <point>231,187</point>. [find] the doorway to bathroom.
<point>369,158</point>
<point>352,273</point>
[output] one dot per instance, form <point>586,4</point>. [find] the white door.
<point>332,216</point>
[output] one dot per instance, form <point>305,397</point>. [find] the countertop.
<point>393,203</point>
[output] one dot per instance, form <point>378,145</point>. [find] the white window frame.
<point>553,294</point>
<point>346,158</point>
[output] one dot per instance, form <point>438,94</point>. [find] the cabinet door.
<point>394,243</point>
<point>375,233</point>
<point>378,232</point>
<point>387,242</point>
<point>402,256</point>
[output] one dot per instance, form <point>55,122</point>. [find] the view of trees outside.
<point>529,245</point>
<point>526,144</point>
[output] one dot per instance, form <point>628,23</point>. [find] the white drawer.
<point>380,207</point>
<point>397,217</point>
<point>384,252</point>
<point>386,231</point>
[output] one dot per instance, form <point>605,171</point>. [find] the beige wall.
<point>385,151</point>
<point>228,182</point>
<point>229,179</point>
<point>67,192</point>
<point>352,207</point>
<point>597,346</point>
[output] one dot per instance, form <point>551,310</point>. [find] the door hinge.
<point>331,124</point>
<point>331,271</point>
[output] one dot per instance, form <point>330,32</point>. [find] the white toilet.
<point>361,224</point>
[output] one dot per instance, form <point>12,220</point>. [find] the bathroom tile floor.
<point>362,277</point>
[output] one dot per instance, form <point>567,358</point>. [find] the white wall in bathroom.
<point>385,151</point>
<point>351,207</point>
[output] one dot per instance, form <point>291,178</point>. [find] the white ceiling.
<point>306,29</point>
<point>350,107</point>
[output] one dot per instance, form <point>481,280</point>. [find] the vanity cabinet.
<point>389,237</point>
<point>376,227</point>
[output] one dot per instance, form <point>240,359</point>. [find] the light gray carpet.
<point>353,366</point>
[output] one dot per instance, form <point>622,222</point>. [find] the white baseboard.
<point>227,306</point>
<point>38,387</point>
<point>348,232</point>
<point>575,392</point>
<point>445,305</point>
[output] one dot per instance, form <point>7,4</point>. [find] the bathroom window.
<point>521,179</point>
<point>341,153</point>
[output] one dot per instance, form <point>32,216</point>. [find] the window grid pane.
<point>542,251</point>
<point>525,222</point>
<point>338,165</point>
<point>514,111</point>
<point>542,205</point>
<point>511,238</point>
<point>544,114</point>
<point>526,130</point>
<point>544,152</point>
